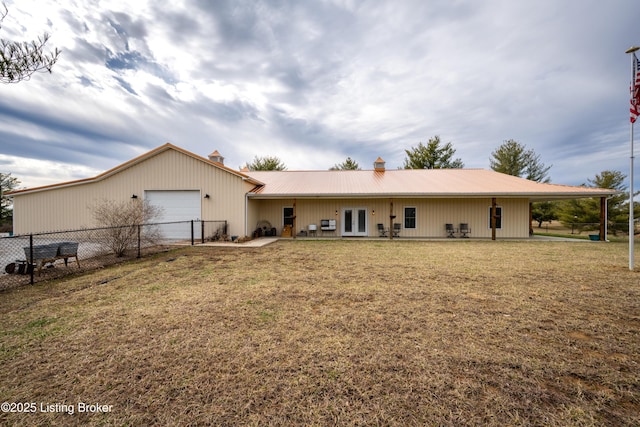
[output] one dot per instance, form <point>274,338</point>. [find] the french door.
<point>354,222</point>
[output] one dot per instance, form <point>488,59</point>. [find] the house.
<point>335,203</point>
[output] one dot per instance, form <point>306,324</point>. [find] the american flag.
<point>635,90</point>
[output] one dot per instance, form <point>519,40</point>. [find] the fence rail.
<point>29,258</point>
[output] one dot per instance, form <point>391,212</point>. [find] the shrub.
<point>122,221</point>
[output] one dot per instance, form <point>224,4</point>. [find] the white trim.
<point>282,224</point>
<point>355,222</point>
<point>404,218</point>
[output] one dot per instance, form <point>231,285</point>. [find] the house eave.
<point>484,195</point>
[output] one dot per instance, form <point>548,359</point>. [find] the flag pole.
<point>631,221</point>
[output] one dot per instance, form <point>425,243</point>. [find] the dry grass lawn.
<point>333,333</point>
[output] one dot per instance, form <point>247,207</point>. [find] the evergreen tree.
<point>544,211</point>
<point>432,156</point>
<point>347,165</point>
<point>266,163</point>
<point>514,159</point>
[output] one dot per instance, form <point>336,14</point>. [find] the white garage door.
<point>183,205</point>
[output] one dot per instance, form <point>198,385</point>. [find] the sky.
<point>314,82</point>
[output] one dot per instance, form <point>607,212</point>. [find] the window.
<point>410,217</point>
<point>498,217</point>
<point>287,216</point>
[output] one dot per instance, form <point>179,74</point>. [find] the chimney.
<point>378,165</point>
<point>216,157</point>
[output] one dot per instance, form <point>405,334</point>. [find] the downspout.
<point>246,213</point>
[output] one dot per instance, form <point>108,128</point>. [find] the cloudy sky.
<point>313,82</point>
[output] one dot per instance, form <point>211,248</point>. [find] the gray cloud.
<point>316,82</point>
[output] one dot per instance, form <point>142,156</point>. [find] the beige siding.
<point>431,215</point>
<point>70,207</point>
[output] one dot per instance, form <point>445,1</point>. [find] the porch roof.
<point>414,183</point>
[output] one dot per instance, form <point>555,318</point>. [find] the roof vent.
<point>216,157</point>
<point>378,165</point>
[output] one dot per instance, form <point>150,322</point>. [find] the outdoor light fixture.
<point>336,212</point>
<point>373,212</point>
<point>134,196</point>
<point>206,196</point>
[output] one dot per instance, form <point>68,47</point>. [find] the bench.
<point>328,225</point>
<point>49,253</point>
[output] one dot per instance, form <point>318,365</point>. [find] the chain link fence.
<point>614,228</point>
<point>30,258</point>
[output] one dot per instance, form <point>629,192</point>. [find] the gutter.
<point>533,196</point>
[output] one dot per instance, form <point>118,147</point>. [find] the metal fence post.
<point>30,265</point>
<point>91,243</point>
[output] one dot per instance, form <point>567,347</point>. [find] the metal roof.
<point>133,162</point>
<point>418,183</point>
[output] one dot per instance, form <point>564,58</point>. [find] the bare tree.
<point>20,60</point>
<point>122,221</point>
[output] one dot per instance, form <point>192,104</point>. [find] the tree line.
<point>511,158</point>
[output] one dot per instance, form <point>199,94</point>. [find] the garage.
<point>176,205</point>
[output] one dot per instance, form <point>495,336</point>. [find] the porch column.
<point>603,219</point>
<point>293,225</point>
<point>391,218</point>
<point>493,218</point>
